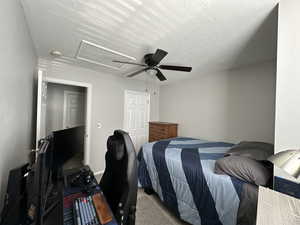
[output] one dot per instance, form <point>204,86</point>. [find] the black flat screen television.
<point>53,152</point>
<point>67,143</point>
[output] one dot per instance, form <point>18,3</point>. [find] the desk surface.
<point>56,216</point>
<point>275,208</point>
<point>71,193</point>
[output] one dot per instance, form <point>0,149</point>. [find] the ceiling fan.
<point>152,62</point>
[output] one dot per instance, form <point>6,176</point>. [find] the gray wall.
<point>17,68</point>
<point>55,105</point>
<point>287,124</point>
<point>231,105</point>
<point>107,102</point>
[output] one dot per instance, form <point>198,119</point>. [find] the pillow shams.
<point>243,168</point>
<point>254,150</point>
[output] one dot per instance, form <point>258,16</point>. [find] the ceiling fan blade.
<point>137,72</point>
<point>159,55</point>
<point>131,63</point>
<point>160,76</point>
<point>177,68</point>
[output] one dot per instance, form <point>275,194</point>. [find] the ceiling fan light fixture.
<point>56,53</point>
<point>152,72</point>
<point>152,63</point>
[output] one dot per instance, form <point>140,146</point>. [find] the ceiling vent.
<point>96,54</point>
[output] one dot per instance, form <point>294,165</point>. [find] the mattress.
<point>181,172</point>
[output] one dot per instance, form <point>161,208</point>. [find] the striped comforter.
<point>181,172</point>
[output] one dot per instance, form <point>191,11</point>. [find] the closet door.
<point>136,117</point>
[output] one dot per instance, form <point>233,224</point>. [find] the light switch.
<point>99,125</point>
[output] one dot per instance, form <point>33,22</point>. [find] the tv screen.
<point>53,152</point>
<point>67,143</point>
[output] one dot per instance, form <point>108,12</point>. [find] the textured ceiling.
<point>209,35</point>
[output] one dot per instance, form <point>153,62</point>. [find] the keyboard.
<point>91,210</point>
<point>68,208</point>
<point>85,212</point>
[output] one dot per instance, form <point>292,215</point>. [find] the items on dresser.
<point>162,130</point>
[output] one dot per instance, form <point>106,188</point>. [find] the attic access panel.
<point>99,55</point>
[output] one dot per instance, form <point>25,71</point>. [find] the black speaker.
<point>14,209</point>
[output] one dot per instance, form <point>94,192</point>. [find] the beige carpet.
<point>150,211</point>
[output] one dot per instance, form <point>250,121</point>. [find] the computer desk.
<point>63,194</point>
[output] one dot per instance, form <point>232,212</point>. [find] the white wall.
<point>287,124</point>
<point>107,102</point>
<point>230,106</point>
<point>17,66</point>
<point>55,105</point>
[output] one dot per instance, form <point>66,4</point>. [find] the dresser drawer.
<point>158,136</point>
<point>155,138</point>
<point>161,130</point>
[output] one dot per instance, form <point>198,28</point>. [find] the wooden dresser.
<point>162,130</point>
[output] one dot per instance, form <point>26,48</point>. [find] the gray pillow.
<point>243,168</point>
<point>254,150</point>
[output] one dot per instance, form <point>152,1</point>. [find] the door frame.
<point>65,104</point>
<point>88,113</point>
<point>39,108</point>
<point>125,122</point>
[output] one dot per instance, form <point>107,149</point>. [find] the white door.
<point>41,108</point>
<point>136,116</point>
<point>74,109</point>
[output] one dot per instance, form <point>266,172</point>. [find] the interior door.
<point>41,107</point>
<point>136,117</point>
<point>74,109</point>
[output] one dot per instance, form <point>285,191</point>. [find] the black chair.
<point>119,182</point>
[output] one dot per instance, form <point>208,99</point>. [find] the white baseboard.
<point>99,172</point>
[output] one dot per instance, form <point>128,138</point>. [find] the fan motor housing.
<point>149,60</point>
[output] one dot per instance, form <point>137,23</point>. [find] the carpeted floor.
<point>150,211</point>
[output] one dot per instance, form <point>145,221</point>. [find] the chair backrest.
<point>119,181</point>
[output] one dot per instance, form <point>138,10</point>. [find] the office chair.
<point>119,182</point>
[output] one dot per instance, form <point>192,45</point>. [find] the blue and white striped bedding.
<point>181,172</point>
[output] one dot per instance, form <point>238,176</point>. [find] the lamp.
<point>288,160</point>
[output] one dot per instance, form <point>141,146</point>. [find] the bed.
<point>181,172</point>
